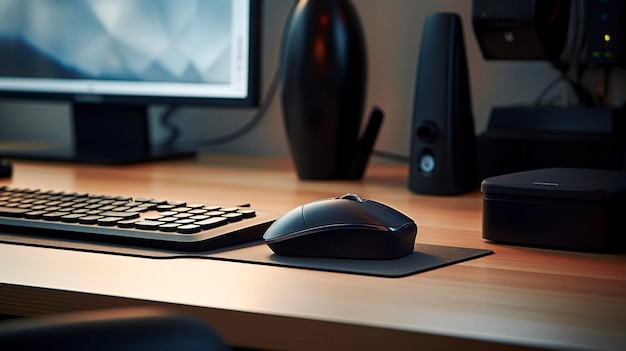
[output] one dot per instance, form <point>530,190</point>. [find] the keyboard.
<point>122,220</point>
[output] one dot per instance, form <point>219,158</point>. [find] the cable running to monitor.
<point>172,140</point>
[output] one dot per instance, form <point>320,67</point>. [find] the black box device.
<point>561,208</point>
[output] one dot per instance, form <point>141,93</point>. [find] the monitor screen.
<point>103,53</point>
<point>199,51</point>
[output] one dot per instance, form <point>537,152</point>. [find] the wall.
<point>393,32</point>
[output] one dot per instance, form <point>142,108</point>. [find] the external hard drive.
<point>560,208</point>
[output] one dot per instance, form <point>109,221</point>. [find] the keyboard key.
<point>189,229</point>
<point>148,225</point>
<point>53,216</point>
<point>127,223</point>
<point>12,211</point>
<point>89,219</point>
<point>124,215</point>
<point>34,214</point>
<point>108,221</point>
<point>185,221</point>
<point>161,208</point>
<point>169,227</point>
<point>71,218</point>
<point>212,222</point>
<point>248,213</point>
<point>168,219</point>
<point>233,216</point>
<point>183,215</point>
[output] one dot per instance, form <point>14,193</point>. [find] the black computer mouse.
<point>343,227</point>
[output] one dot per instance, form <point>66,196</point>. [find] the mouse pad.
<point>424,258</point>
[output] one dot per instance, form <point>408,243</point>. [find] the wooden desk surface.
<point>518,297</point>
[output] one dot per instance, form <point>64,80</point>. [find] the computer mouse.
<point>343,227</point>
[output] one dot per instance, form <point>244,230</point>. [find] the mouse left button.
<point>290,222</point>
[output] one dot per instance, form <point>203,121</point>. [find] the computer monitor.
<point>113,59</point>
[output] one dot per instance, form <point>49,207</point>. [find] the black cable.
<point>606,93</point>
<point>166,122</point>
<point>548,88</point>
<point>392,156</point>
<point>245,128</point>
<point>253,121</point>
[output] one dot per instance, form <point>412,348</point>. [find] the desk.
<point>517,298</point>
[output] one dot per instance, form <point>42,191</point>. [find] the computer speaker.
<point>443,142</point>
<point>323,80</point>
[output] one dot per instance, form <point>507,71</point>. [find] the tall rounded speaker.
<point>443,142</point>
<point>323,78</point>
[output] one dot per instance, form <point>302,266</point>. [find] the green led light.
<point>608,54</point>
<point>595,54</point>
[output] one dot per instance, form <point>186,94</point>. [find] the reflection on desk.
<point>515,299</point>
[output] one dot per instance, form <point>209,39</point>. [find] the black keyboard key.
<point>127,223</point>
<point>212,222</point>
<point>153,218</point>
<point>124,215</point>
<point>161,208</point>
<point>148,225</point>
<point>183,215</point>
<point>158,201</point>
<point>89,219</point>
<point>108,221</point>
<point>233,216</point>
<point>169,227</point>
<point>34,214</point>
<point>137,209</point>
<point>248,213</point>
<point>185,221</point>
<point>12,211</point>
<point>71,218</point>
<point>189,229</point>
<point>53,216</point>
<point>147,206</point>
<point>168,219</point>
<point>199,217</point>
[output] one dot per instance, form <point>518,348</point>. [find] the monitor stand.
<point>103,134</point>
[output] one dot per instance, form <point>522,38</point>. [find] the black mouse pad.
<point>424,258</point>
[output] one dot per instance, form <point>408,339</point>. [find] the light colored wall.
<point>393,31</point>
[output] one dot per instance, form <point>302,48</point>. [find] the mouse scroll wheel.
<point>353,197</point>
